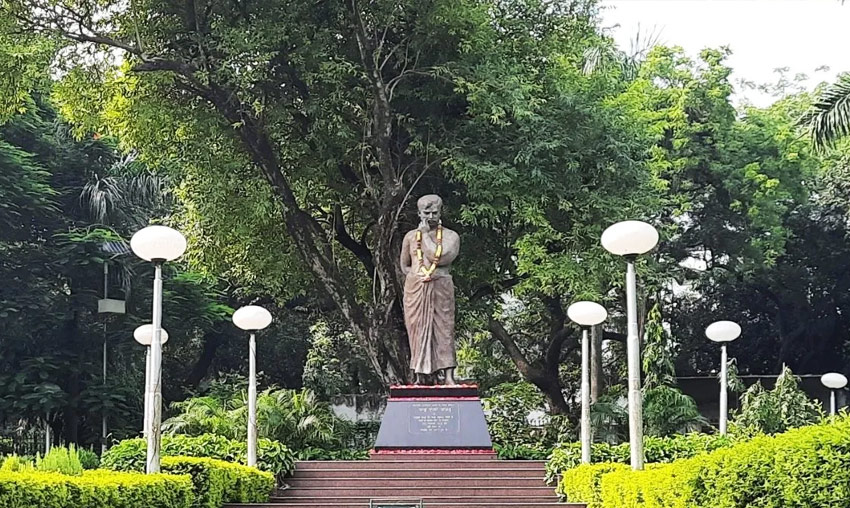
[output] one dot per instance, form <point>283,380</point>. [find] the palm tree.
<point>828,119</point>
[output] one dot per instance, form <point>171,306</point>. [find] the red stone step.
<point>485,500</point>
<point>444,463</point>
<point>415,483</point>
<point>415,492</point>
<point>451,504</point>
<point>342,472</point>
<point>420,457</point>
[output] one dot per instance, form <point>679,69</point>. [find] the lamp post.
<point>833,381</point>
<point>630,239</point>
<point>586,314</point>
<point>252,318</point>
<point>156,244</point>
<point>144,336</point>
<point>723,332</point>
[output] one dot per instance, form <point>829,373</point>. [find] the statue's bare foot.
<point>450,377</point>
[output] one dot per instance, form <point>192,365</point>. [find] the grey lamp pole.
<point>630,239</point>
<point>252,318</point>
<point>156,244</point>
<point>833,381</point>
<point>723,332</point>
<point>586,314</point>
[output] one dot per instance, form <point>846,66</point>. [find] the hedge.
<point>95,489</point>
<point>806,467</point>
<point>216,482</point>
<point>272,456</point>
<point>656,450</point>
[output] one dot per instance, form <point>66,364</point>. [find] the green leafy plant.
<point>784,407</point>
<point>88,459</point>
<point>216,482</point>
<point>16,464</point>
<point>805,467</point>
<point>95,489</point>
<point>272,456</point>
<point>656,450</point>
<point>60,460</point>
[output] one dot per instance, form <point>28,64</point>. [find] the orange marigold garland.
<point>426,272</point>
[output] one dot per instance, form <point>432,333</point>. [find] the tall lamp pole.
<point>833,381</point>
<point>586,314</point>
<point>723,332</point>
<point>252,318</point>
<point>630,239</point>
<point>144,336</point>
<point>157,244</point>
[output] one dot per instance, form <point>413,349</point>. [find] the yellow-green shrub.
<point>581,484</point>
<point>94,489</point>
<point>216,482</point>
<point>807,467</point>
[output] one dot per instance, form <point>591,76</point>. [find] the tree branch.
<point>344,238</point>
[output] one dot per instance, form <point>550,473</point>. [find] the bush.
<point>805,467</point>
<point>216,482</point>
<point>581,484</point>
<point>323,454</point>
<point>88,459</point>
<point>60,460</point>
<point>521,452</point>
<point>94,489</point>
<point>16,464</point>
<point>656,450</point>
<point>272,456</point>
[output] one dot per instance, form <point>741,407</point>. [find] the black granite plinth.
<point>426,418</point>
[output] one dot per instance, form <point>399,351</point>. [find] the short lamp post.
<point>833,381</point>
<point>157,244</point>
<point>252,318</point>
<point>630,239</point>
<point>144,336</point>
<point>586,314</point>
<point>723,332</point>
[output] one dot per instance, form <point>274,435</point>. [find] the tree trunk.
<point>212,341</point>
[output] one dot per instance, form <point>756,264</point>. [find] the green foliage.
<point>828,119</point>
<point>16,464</point>
<point>95,489</point>
<point>508,406</point>
<point>809,466</point>
<point>656,450</point>
<point>581,484</point>
<point>297,419</point>
<point>784,407</point>
<point>668,411</point>
<point>324,454</point>
<point>88,459</point>
<point>272,456</point>
<point>216,482</point>
<point>521,452</point>
<point>60,460</point>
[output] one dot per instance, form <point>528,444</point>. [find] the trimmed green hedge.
<point>217,482</point>
<point>272,456</point>
<point>94,489</point>
<point>656,450</point>
<point>806,467</point>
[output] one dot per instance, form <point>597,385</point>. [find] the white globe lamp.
<point>252,318</point>
<point>833,381</point>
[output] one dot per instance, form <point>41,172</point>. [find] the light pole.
<point>586,314</point>
<point>833,381</point>
<point>144,336</point>
<point>156,244</point>
<point>252,318</point>
<point>630,239</point>
<point>723,332</point>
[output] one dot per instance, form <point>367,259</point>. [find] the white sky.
<point>763,34</point>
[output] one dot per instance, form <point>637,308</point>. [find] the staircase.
<point>438,480</point>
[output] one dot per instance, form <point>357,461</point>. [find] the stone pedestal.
<point>434,419</point>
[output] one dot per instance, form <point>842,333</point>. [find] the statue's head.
<point>429,209</point>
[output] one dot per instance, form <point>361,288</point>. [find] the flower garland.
<point>427,272</point>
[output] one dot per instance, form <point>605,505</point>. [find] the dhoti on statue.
<point>429,311</point>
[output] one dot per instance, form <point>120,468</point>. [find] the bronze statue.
<point>429,293</point>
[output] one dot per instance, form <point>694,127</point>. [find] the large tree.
<point>347,109</point>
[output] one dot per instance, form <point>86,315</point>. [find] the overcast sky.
<point>763,34</point>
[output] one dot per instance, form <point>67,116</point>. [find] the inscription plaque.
<point>434,418</point>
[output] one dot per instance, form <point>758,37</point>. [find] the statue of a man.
<point>429,293</point>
